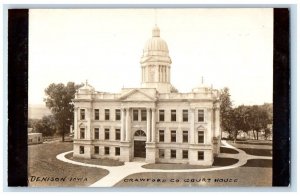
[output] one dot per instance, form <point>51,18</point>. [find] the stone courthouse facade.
<point>154,123</point>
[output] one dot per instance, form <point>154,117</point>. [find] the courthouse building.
<point>154,123</point>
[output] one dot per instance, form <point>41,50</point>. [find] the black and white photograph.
<point>150,97</point>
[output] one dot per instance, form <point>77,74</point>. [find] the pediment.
<point>201,128</point>
<point>136,95</point>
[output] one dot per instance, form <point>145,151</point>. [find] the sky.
<point>227,47</point>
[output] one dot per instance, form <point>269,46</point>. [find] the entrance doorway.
<point>139,145</point>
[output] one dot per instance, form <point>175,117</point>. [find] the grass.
<point>228,150</point>
<point>259,163</point>
<point>255,142</point>
<point>171,166</point>
<point>243,176</point>
<point>254,147</point>
<point>104,162</point>
<point>42,162</point>
<point>257,152</point>
<point>218,161</point>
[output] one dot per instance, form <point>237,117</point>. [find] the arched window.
<point>140,133</point>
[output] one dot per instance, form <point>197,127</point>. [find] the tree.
<point>46,126</point>
<point>59,101</point>
<point>226,112</point>
<point>259,119</point>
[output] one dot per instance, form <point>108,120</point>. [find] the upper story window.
<point>82,133</point>
<point>144,115</point>
<point>161,135</point>
<point>82,114</point>
<point>200,137</point>
<point>118,114</point>
<point>173,136</point>
<point>96,114</point>
<point>173,115</point>
<point>185,136</point>
<point>185,115</point>
<point>106,114</point>
<point>200,115</point>
<point>118,131</point>
<point>96,133</point>
<point>161,115</point>
<point>135,115</point>
<point>106,134</point>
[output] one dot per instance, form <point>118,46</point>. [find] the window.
<point>82,114</point>
<point>106,114</point>
<point>161,115</point>
<point>200,155</point>
<point>81,149</point>
<point>185,136</point>
<point>161,153</point>
<point>200,115</point>
<point>106,150</point>
<point>173,154</point>
<point>118,114</point>
<point>161,135</point>
<point>173,115</point>
<point>117,151</point>
<point>118,134</point>
<point>135,115</point>
<point>173,136</point>
<point>96,114</point>
<point>185,154</point>
<point>144,115</point>
<point>96,133</point>
<point>140,133</point>
<point>200,137</point>
<point>185,115</point>
<point>106,132</point>
<point>96,149</point>
<point>82,133</point>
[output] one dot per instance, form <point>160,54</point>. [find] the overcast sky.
<point>228,47</point>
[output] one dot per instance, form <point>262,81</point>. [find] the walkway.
<point>117,173</point>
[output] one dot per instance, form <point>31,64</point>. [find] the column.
<point>148,125</point>
<point>168,74</point>
<point>217,121</point>
<point>153,124</point>
<point>127,124</point>
<point>157,75</point>
<point>209,131</point>
<point>192,126</point>
<point>88,119</point>
<point>122,124</point>
<point>75,123</point>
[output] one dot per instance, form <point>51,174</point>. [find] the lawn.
<point>104,162</point>
<point>228,150</point>
<point>254,147</point>
<point>218,161</point>
<point>42,163</point>
<point>259,163</point>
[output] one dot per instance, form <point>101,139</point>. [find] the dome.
<point>155,43</point>
<point>156,46</point>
